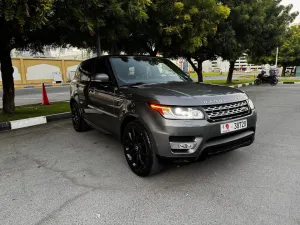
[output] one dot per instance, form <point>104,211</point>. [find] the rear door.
<point>101,96</point>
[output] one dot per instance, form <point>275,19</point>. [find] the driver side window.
<point>102,66</point>
<point>86,69</point>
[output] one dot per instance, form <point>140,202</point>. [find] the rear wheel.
<point>139,150</point>
<point>78,121</point>
<point>257,81</point>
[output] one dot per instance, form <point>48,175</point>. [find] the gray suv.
<point>157,111</point>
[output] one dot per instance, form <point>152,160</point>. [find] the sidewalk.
<point>24,86</point>
<point>19,86</point>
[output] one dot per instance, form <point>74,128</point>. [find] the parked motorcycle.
<point>270,79</point>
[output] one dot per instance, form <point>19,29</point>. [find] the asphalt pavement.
<point>28,96</point>
<point>52,175</point>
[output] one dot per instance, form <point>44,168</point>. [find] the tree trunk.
<point>7,71</point>
<point>230,73</point>
<point>98,44</point>
<point>198,69</point>
<point>283,70</point>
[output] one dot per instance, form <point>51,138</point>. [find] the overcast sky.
<point>296,7</point>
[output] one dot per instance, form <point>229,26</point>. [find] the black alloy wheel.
<point>139,150</point>
<point>78,121</point>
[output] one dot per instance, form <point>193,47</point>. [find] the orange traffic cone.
<point>45,100</point>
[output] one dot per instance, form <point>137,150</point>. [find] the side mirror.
<point>100,77</point>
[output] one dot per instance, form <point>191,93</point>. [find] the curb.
<point>17,124</point>
<point>242,85</point>
<point>286,82</point>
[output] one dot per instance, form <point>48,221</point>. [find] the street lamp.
<point>277,50</point>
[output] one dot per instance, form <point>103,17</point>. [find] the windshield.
<point>144,70</point>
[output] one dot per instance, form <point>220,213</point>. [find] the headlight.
<point>179,113</point>
<point>251,105</point>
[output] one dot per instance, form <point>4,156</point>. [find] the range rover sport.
<point>157,111</point>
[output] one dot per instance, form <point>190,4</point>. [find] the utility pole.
<point>98,43</point>
<point>277,50</point>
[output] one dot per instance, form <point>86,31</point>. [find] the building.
<point>242,64</point>
<point>220,65</point>
<point>57,53</point>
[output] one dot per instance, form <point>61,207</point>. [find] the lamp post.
<point>277,50</point>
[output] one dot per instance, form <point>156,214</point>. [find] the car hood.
<point>186,94</point>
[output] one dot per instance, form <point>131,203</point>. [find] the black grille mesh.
<point>227,111</point>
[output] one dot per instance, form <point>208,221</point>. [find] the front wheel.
<point>274,82</point>
<point>139,150</point>
<point>257,81</point>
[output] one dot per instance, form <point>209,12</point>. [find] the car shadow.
<point>219,163</point>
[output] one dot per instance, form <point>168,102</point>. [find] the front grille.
<point>217,113</point>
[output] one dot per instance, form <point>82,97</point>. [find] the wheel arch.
<point>127,120</point>
<point>73,99</point>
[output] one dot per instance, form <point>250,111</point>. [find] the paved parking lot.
<point>53,175</point>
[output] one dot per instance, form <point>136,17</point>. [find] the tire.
<point>78,121</point>
<point>257,81</point>
<point>139,150</point>
<point>274,82</point>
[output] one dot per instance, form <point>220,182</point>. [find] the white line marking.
<point>28,122</point>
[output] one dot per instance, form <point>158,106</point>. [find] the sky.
<point>296,7</point>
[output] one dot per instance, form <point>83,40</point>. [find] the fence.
<point>35,71</point>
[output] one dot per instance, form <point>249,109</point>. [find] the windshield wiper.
<point>138,84</point>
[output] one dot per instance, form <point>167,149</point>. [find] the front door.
<point>101,99</point>
<point>84,71</point>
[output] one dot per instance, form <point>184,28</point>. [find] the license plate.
<point>229,127</point>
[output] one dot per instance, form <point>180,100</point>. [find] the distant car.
<point>157,111</point>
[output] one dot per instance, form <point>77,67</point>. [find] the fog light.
<point>178,145</point>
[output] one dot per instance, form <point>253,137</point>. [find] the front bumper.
<point>206,136</point>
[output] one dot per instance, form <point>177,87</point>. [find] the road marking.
<point>28,122</point>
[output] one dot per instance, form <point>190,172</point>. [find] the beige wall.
<point>34,71</point>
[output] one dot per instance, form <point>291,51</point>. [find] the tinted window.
<point>130,70</point>
<point>101,66</point>
<point>86,69</point>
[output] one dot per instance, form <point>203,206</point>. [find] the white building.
<point>220,65</point>
<point>59,53</point>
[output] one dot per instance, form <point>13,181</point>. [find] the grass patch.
<point>223,82</point>
<point>208,74</point>
<point>288,80</point>
<point>28,111</point>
